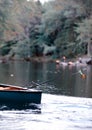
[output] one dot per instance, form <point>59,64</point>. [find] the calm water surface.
<point>66,99</point>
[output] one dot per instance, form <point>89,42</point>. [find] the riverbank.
<point>84,59</point>
<point>4,59</point>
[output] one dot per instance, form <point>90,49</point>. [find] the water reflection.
<point>88,90</point>
<point>34,107</point>
<point>66,80</point>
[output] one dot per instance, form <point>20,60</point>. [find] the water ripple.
<point>57,112</point>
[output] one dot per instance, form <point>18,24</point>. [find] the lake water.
<point>66,100</point>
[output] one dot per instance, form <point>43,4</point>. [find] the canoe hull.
<point>15,95</point>
<point>20,97</point>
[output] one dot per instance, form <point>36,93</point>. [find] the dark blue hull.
<point>19,95</point>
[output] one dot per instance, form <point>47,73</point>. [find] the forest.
<point>55,28</point>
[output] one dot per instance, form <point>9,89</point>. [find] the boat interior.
<point>6,87</point>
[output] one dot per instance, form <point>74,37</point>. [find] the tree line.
<point>56,28</point>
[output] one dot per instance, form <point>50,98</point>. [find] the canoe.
<point>10,94</point>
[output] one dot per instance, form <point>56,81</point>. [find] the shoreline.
<point>4,59</point>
